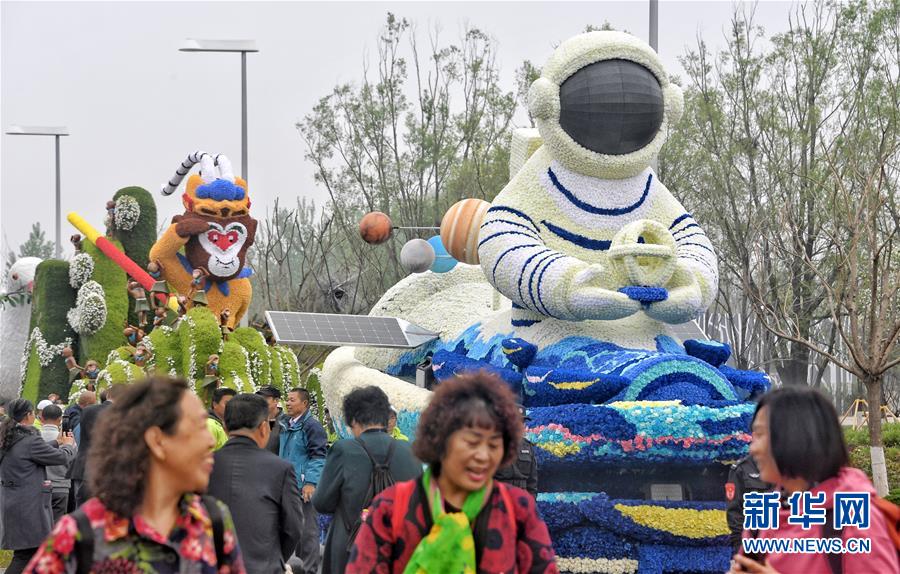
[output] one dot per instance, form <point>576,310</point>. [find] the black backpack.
<point>380,479</point>
<point>84,545</point>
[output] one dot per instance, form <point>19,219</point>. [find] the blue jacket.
<point>304,445</point>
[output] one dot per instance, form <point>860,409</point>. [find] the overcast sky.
<point>136,106</point>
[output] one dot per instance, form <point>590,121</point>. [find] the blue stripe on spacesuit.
<point>686,227</point>
<point>696,245</point>
<point>531,278</point>
<point>514,212</point>
<point>541,278</point>
<point>485,224</point>
<point>599,210</point>
<point>699,259</point>
<point>679,219</point>
<point>683,237</point>
<point>502,255</point>
<point>579,240</point>
<point>489,237</point>
<point>525,266</point>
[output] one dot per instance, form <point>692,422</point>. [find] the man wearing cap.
<point>522,471</point>
<point>272,396</point>
<point>38,419</point>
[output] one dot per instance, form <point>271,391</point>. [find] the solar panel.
<point>358,330</point>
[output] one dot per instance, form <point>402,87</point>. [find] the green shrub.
<point>5,558</point>
<point>890,435</point>
<point>136,243</point>
<point>860,458</point>
<point>200,337</point>
<point>260,354</point>
<point>314,386</point>
<point>118,372</point>
<point>290,367</point>
<point>234,368</point>
<point>893,496</point>
<point>51,300</point>
<point>167,356</point>
<point>856,437</point>
<point>115,288</point>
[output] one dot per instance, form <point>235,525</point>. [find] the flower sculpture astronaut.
<point>599,261</point>
<point>215,231</point>
<point>569,235</point>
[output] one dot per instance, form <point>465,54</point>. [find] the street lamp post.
<point>242,46</point>
<point>654,25</point>
<point>57,132</point>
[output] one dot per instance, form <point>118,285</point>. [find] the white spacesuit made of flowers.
<point>546,240</point>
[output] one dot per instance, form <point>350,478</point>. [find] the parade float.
<point>128,304</point>
<point>572,286</point>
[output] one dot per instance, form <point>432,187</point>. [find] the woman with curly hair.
<point>26,513</point>
<point>456,518</point>
<point>155,453</point>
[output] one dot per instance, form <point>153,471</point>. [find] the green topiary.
<point>115,288</point>
<point>260,355</point>
<point>200,337</point>
<point>119,371</point>
<point>165,343</point>
<point>289,365</point>
<point>315,390</point>
<point>51,300</point>
<point>137,241</point>
<point>234,368</point>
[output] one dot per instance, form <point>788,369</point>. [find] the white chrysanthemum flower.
<point>128,212</point>
<point>81,269</point>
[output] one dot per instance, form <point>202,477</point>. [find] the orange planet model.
<point>460,227</point>
<point>375,227</point>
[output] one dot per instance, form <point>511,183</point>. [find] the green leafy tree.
<point>37,245</point>
<point>789,155</point>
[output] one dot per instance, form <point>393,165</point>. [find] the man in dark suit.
<point>272,397</point>
<point>348,471</point>
<point>259,488</point>
<point>78,470</point>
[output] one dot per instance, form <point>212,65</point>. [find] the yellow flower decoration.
<point>561,449</point>
<point>573,385</point>
<point>685,522</point>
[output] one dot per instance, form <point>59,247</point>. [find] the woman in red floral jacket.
<point>156,451</point>
<point>456,518</point>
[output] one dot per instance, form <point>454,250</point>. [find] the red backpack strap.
<point>510,509</point>
<point>891,514</point>
<point>402,494</point>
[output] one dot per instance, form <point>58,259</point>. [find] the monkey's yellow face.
<point>220,198</point>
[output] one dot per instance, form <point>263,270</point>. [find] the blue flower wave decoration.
<point>712,352</point>
<point>518,351</point>
<point>749,384</point>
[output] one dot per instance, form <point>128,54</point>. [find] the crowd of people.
<point>151,480</point>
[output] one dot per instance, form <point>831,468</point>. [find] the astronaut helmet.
<point>604,104</point>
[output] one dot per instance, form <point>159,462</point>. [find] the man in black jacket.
<point>272,396</point>
<point>259,488</point>
<point>78,470</point>
<point>742,478</point>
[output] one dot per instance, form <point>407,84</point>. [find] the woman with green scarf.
<point>455,519</point>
